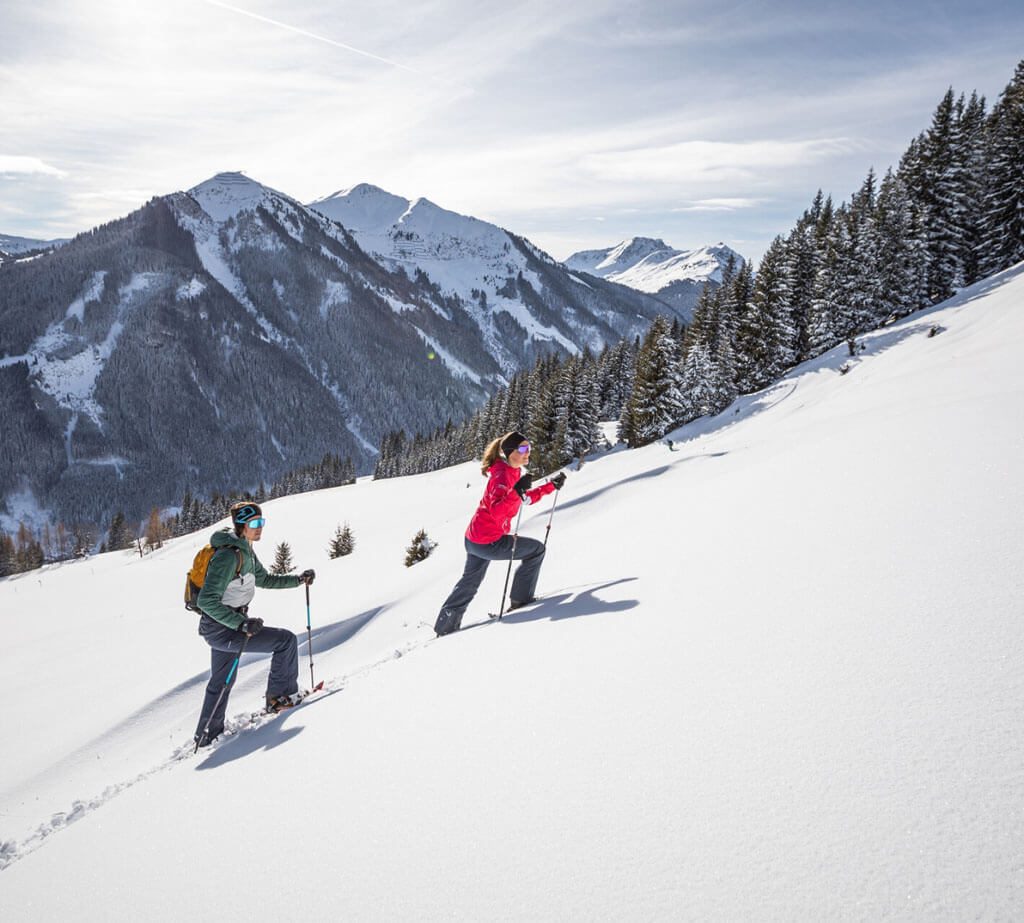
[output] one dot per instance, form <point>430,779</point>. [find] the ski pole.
<point>511,558</point>
<point>309,643</point>
<point>547,531</point>
<point>224,688</point>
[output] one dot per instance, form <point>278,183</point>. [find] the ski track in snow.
<point>246,723</point>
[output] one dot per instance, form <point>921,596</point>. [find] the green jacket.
<point>224,593</point>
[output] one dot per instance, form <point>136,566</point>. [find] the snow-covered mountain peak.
<point>363,207</point>
<point>227,194</point>
<point>476,261</point>
<point>650,265</point>
<point>631,251</point>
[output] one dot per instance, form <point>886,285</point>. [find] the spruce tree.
<point>343,542</point>
<point>283,563</point>
<point>120,534</point>
<point>944,192</point>
<point>657,401</point>
<point>1002,232</point>
<point>766,339</point>
<point>420,548</point>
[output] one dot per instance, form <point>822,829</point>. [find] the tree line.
<point>29,549</point>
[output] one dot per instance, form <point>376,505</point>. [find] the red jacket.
<point>500,503</point>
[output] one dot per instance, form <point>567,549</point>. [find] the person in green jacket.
<point>231,580</point>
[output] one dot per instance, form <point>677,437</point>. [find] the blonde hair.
<point>492,452</point>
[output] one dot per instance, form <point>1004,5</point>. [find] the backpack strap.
<point>238,562</point>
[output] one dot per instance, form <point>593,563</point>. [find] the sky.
<point>577,124</point>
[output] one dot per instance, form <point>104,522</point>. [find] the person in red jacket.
<point>488,539</point>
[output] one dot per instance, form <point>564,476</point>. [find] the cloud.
<point>11,164</point>
<point>721,161</point>
<point>719,205</point>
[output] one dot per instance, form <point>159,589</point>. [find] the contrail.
<point>319,38</point>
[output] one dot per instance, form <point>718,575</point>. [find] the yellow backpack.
<point>196,577</point>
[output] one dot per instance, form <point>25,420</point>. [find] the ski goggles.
<point>524,448</point>
<point>257,523</point>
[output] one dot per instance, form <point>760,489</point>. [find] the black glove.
<point>558,480</point>
<point>523,485</point>
<point>251,627</point>
<point>307,577</point>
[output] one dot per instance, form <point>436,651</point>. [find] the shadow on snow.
<point>569,605</point>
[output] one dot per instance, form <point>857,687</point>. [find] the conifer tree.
<point>803,260</point>
<point>656,404</point>
<point>1002,232</point>
<point>343,542</point>
<point>943,191</point>
<point>616,369</point>
<point>766,339</point>
<point>974,138</point>
<point>902,255</point>
<point>283,563</point>
<point>120,534</point>
<point>419,549</point>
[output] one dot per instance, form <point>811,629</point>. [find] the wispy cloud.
<point>719,205</point>
<point>308,34</point>
<point>719,161</point>
<point>10,164</point>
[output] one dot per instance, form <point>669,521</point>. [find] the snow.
<point>192,289</point>
<point>457,368</point>
<point>776,674</point>
<point>93,292</point>
<point>226,195</point>
<point>462,255</point>
<point>650,265</point>
<point>68,376</point>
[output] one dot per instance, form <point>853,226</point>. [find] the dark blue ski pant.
<point>524,584</point>
<point>225,643</point>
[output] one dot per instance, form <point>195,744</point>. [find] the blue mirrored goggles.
<point>258,523</point>
<point>524,449</point>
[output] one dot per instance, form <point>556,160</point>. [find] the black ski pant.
<point>225,643</point>
<point>524,584</point>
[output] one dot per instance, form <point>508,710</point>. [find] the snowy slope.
<point>464,256</point>
<point>777,675</point>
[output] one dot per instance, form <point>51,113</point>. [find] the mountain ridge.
<point>174,312</point>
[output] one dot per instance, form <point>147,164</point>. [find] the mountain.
<point>775,675</point>
<point>219,337</point>
<point>502,279</point>
<point>650,265</point>
<point>14,246</point>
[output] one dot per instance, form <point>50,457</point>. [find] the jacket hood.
<point>226,538</point>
